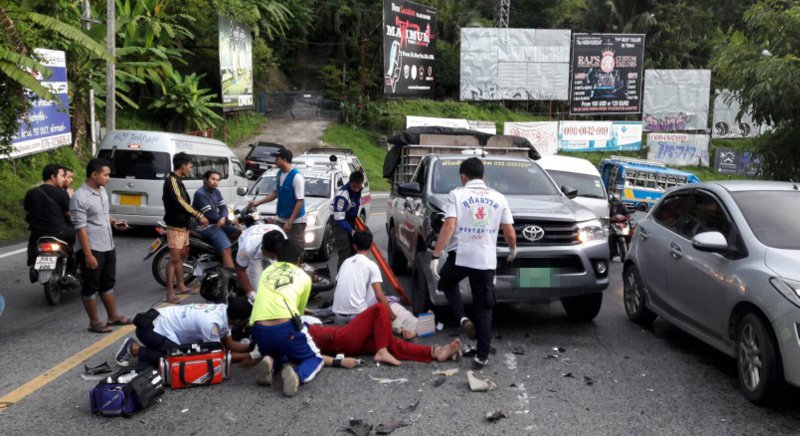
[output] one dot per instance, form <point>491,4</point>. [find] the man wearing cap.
<point>290,192</point>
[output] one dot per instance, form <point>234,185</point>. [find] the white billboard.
<point>543,135</point>
<point>676,100</point>
<point>678,148</point>
<point>726,108</point>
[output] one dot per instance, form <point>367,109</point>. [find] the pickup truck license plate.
<point>45,263</point>
<point>535,277</point>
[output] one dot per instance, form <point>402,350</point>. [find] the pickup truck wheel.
<point>326,248</point>
<point>420,299</point>
<point>397,262</point>
<point>583,307</point>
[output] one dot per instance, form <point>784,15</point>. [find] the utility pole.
<point>87,24</point>
<point>501,12</point>
<point>111,80</point>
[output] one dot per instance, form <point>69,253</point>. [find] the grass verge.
<point>240,127</point>
<point>364,145</point>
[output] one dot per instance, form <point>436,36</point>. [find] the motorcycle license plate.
<point>155,245</point>
<point>45,263</point>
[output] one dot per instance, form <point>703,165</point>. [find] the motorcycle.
<point>56,268</point>
<point>620,236</point>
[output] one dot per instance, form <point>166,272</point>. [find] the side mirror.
<point>241,191</point>
<point>411,189</point>
<point>710,241</point>
<point>251,145</point>
<point>569,191</point>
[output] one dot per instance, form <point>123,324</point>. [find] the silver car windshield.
<point>772,216</point>
<point>315,186</point>
<point>508,177</point>
<point>587,185</point>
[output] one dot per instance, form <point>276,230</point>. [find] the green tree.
<point>760,65</point>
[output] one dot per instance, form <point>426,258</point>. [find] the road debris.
<point>359,427</point>
<point>410,408</point>
<point>388,380</point>
<point>588,380</point>
<point>390,426</point>
<point>567,375</point>
<point>446,372</point>
<point>518,350</point>
<point>478,383</point>
<point>495,416</point>
<point>439,380</point>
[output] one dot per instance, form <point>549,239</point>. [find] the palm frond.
<point>65,30</point>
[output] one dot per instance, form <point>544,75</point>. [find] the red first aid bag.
<point>195,365</point>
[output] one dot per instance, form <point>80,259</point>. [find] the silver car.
<point>721,261</point>
<point>320,186</point>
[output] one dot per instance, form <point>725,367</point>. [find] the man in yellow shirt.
<point>282,295</point>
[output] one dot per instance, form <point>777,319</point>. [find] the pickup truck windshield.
<point>316,185</point>
<point>507,177</point>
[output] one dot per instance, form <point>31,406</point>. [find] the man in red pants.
<point>371,332</point>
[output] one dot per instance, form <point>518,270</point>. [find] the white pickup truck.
<point>562,247</point>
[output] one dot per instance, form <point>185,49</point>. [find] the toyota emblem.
<point>533,233</point>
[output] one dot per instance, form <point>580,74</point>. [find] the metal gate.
<point>299,105</point>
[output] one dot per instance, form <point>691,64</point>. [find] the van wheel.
<point>634,298</point>
<point>758,362</point>
<point>397,261</point>
<point>583,307</point>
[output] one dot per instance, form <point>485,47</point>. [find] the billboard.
<point>235,65</point>
<point>676,100</point>
<point>543,135</point>
<point>47,125</point>
<point>732,161</point>
<point>514,64</point>
<point>678,148</point>
<point>726,108</point>
<point>409,48</point>
<point>599,136</point>
<point>606,74</point>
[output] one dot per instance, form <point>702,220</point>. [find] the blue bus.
<point>640,183</point>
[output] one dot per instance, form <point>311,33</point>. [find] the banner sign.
<point>543,135</point>
<point>732,161</point>
<point>606,74</point>
<point>235,65</point>
<point>726,108</point>
<point>47,125</point>
<point>678,148</point>
<point>409,48</point>
<point>514,64</point>
<point>599,136</point>
<point>676,100</point>
<point>457,123</point>
<point>483,126</point>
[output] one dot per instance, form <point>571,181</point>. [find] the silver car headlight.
<point>788,288</point>
<point>591,230</point>
<point>311,218</point>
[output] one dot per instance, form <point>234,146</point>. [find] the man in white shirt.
<point>249,260</point>
<point>163,329</point>
<point>358,283</point>
<point>472,216</point>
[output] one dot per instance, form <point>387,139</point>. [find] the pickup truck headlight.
<point>591,230</point>
<point>788,288</point>
<point>311,218</point>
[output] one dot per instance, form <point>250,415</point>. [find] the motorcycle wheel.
<point>52,293</point>
<point>159,267</point>
<point>622,249</point>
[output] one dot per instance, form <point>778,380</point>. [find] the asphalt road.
<point>657,381</point>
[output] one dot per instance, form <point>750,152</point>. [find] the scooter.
<point>56,268</point>
<point>620,236</point>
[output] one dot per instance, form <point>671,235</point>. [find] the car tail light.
<point>161,231</point>
<point>249,163</point>
<point>49,246</point>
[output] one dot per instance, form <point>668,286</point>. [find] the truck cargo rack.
<point>413,154</point>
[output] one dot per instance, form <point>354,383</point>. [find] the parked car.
<point>141,159</point>
<point>720,261</point>
<point>346,162</point>
<point>583,176</point>
<point>320,186</point>
<point>260,159</point>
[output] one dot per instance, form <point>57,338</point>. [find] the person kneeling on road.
<point>358,282</point>
<point>282,295</point>
<point>208,200</point>
<point>251,259</point>
<point>161,330</point>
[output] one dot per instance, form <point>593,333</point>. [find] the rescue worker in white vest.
<point>473,214</point>
<point>344,209</point>
<point>290,192</point>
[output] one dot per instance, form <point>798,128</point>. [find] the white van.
<point>141,159</point>
<point>583,176</point>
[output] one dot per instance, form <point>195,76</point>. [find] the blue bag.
<point>113,399</point>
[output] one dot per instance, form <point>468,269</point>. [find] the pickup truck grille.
<point>555,233</point>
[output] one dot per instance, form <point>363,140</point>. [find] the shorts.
<point>219,236</point>
<point>177,238</point>
<point>102,279</point>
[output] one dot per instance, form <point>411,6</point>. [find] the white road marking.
<point>11,253</point>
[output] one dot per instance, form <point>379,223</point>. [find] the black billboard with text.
<point>409,48</point>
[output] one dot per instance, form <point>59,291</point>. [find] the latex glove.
<point>435,268</point>
<point>251,297</point>
<point>512,256</point>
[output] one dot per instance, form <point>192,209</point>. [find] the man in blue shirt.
<point>290,192</point>
<point>208,200</point>
<point>344,209</point>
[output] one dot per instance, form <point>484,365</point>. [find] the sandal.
<point>119,321</point>
<point>100,328</point>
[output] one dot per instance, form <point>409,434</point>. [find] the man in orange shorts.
<point>178,214</point>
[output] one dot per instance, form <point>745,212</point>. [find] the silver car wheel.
<point>750,363</point>
<point>633,293</point>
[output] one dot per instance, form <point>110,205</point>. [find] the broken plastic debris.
<point>439,380</point>
<point>496,416</point>
<point>478,383</point>
<point>390,426</point>
<point>411,407</point>
<point>439,326</point>
<point>469,351</point>
<point>559,349</point>
<point>589,381</point>
<point>184,410</point>
<point>102,368</point>
<point>519,350</point>
<point>388,380</point>
<point>446,372</point>
<point>359,427</point>
<point>567,375</point>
